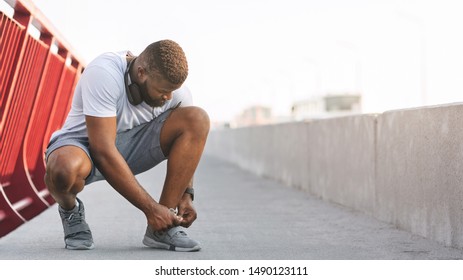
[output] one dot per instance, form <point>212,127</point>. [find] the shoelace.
<point>74,219</point>
<point>180,232</point>
<point>161,234</point>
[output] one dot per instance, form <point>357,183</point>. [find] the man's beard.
<point>148,100</point>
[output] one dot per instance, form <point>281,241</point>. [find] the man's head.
<point>168,59</point>
<point>161,68</point>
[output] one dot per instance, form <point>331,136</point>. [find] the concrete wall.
<point>419,184</point>
<point>404,167</point>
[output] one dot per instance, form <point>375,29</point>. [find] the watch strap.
<point>191,192</point>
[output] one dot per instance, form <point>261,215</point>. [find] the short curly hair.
<point>167,57</point>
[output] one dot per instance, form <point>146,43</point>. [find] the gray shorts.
<point>140,146</point>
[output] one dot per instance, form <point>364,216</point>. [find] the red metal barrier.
<point>36,88</point>
<point>41,117</point>
<point>11,39</point>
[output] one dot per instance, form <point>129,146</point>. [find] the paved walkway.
<point>240,216</point>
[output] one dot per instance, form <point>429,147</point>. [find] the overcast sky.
<point>396,53</point>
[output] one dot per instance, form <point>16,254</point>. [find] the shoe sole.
<point>159,245</point>
<point>82,247</point>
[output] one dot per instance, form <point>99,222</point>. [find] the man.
<point>128,114</point>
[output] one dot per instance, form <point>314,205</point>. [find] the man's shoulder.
<point>109,60</point>
<point>182,95</point>
<point>182,90</point>
<point>107,66</point>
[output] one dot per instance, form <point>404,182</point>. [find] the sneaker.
<point>77,234</point>
<point>173,239</point>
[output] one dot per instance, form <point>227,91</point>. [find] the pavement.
<point>241,216</point>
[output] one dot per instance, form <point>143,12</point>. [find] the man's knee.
<point>196,120</point>
<point>189,123</point>
<point>64,171</point>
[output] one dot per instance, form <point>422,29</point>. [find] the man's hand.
<point>162,219</point>
<point>186,210</point>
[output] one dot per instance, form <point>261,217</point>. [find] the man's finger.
<point>186,224</point>
<point>177,220</point>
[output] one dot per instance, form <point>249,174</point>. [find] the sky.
<point>396,53</point>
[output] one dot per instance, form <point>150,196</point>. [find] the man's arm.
<point>102,139</point>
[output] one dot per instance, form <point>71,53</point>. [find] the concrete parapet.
<point>419,184</point>
<point>333,159</point>
<point>404,167</point>
<point>341,156</point>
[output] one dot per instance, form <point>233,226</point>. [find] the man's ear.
<point>141,74</point>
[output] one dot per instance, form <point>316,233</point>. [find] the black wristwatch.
<point>191,192</point>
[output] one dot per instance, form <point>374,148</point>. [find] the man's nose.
<point>167,96</point>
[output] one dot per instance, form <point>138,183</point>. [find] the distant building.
<point>255,115</point>
<point>327,106</point>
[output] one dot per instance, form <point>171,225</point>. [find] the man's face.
<point>155,90</point>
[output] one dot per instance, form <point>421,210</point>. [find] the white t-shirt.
<point>101,92</point>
